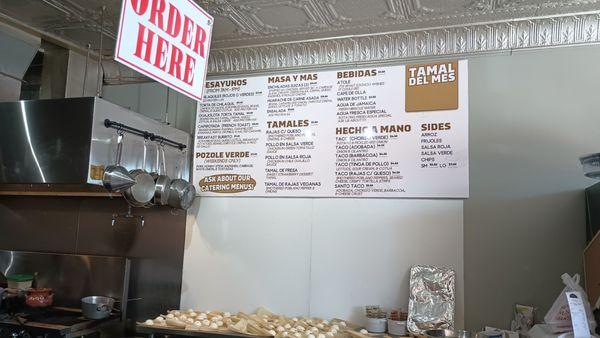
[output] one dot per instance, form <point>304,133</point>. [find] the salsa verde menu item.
<point>398,131</point>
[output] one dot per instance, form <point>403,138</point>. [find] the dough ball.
<point>170,316</point>
<point>335,326</point>
<point>192,314</point>
<point>300,328</point>
<point>190,320</point>
<point>343,324</point>
<point>287,326</point>
<point>220,323</point>
<point>297,335</point>
<point>272,333</point>
<point>329,334</point>
<point>295,319</point>
<point>293,330</point>
<point>198,323</point>
<point>311,336</point>
<point>202,316</point>
<point>149,322</point>
<point>314,329</point>
<point>206,322</point>
<point>363,331</point>
<point>321,335</point>
<point>325,322</point>
<point>227,314</point>
<point>214,326</point>
<point>177,313</point>
<point>280,328</point>
<point>334,331</point>
<point>320,326</point>
<point>159,319</point>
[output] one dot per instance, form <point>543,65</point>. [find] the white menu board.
<point>398,131</point>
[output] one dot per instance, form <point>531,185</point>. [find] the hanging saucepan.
<point>116,178</point>
<point>182,193</point>
<point>162,181</point>
<point>142,192</point>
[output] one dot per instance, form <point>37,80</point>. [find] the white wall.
<point>317,257</point>
<point>532,115</point>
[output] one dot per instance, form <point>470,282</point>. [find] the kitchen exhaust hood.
<point>62,146</point>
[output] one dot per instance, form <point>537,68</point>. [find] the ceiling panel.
<point>251,22</point>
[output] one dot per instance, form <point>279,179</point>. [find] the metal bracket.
<point>127,215</point>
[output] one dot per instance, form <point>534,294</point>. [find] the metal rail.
<point>143,133</point>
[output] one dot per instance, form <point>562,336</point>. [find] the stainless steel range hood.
<point>63,144</point>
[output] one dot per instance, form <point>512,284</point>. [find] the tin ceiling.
<point>250,22</point>
<point>242,26</point>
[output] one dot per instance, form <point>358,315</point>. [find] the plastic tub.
<point>19,282</point>
<point>376,325</point>
<point>396,327</point>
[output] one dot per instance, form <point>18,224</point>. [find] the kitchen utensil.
<point>141,193</point>
<point>97,307</point>
<point>182,193</point>
<point>440,333</point>
<point>398,327</point>
<point>376,325</point>
<point>19,282</point>
<point>491,334</point>
<point>463,334</point>
<point>39,297</point>
<point>116,178</point>
<point>163,181</point>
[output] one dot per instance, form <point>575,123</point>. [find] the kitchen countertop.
<point>77,326</point>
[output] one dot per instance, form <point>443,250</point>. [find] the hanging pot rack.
<point>143,133</point>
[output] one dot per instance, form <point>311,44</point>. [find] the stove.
<point>54,322</point>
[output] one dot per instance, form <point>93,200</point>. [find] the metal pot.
<point>116,178</point>
<point>182,193</point>
<point>440,333</point>
<point>141,193</point>
<point>97,307</point>
<point>163,182</point>
<point>39,298</point>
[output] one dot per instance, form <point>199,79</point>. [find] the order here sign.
<point>166,40</point>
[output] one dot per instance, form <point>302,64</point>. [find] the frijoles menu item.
<point>398,131</point>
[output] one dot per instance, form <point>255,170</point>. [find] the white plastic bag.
<point>559,315</point>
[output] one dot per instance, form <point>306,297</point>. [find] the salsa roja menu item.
<point>398,131</point>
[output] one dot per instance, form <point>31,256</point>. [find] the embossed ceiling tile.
<point>446,6</point>
<point>29,12</point>
<point>361,10</point>
<point>284,16</point>
<point>224,27</point>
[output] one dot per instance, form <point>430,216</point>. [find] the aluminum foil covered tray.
<point>432,298</point>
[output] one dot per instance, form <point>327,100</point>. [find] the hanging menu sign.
<point>399,131</point>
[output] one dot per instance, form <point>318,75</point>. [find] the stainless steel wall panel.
<point>83,226</point>
<point>38,224</point>
<point>72,277</point>
<point>45,141</point>
<point>57,141</point>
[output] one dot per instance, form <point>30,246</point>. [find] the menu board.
<point>398,131</point>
